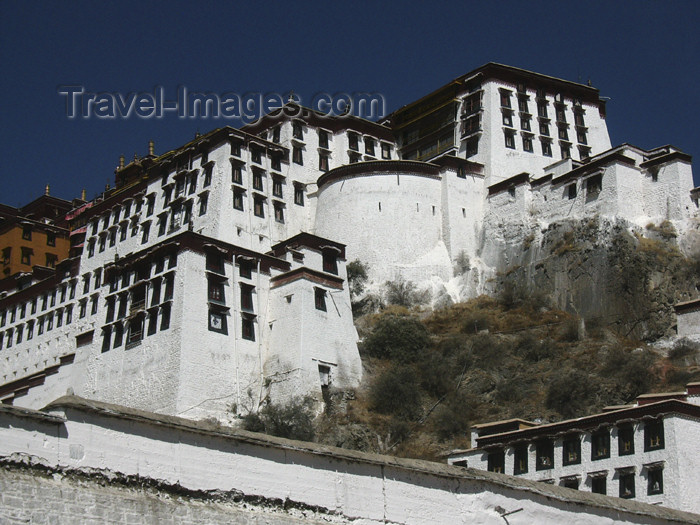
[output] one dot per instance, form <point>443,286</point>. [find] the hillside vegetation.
<point>430,375</point>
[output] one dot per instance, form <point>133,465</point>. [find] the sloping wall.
<point>74,437</point>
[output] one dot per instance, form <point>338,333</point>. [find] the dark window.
<point>91,247</point>
<point>545,454</point>
<point>51,260</point>
<point>322,139</point>
<point>122,232</point>
<point>578,118</point>
<point>258,206</point>
<point>369,146</point>
<point>277,186</point>
<point>386,151</point>
<point>594,185</point>
<point>165,317</point>
<point>215,262</point>
<point>527,143</point>
<point>248,327</point>
<point>162,220</point>
<point>26,256</point>
<point>118,335</point>
<point>83,310</point>
<point>135,330</point>
<point>155,292</point>
<point>522,104</point>
<point>207,175</point>
<point>276,162</point>
<point>505,99</point>
<point>151,205</point>
<point>571,483</point>
<point>520,463</point>
<point>571,191</point>
<point>507,119</point>
<point>496,461</point>
<point>245,268</point>
<point>144,233</point>
<point>152,321</point>
<point>27,233</point>
<point>581,136</point>
<point>51,239</point>
<point>510,140</point>
<point>655,481</point>
<point>330,262</point>
<point>625,440</point>
<point>571,451</point>
<point>247,297</point>
<point>320,298</point>
<point>353,142</point>
<point>110,309</point>
<point>546,149</point>
<point>297,130</point>
<point>237,174</point>
<point>542,109</point>
<point>276,134</point>
<point>298,194</point>
<point>599,485</point>
<point>169,285</point>
<point>525,124</point>
<point>627,484</point>
<point>600,444</point>
<point>238,200</point>
<point>322,162</point>
<point>472,146</point>
<point>236,148</point>
<point>193,184</point>
<point>106,338</point>
<point>653,435</point>
<point>216,292</point>
<point>257,180</point>
<point>561,113</point>
<point>297,155</point>
<point>279,211</point>
<point>544,128</point>
<point>203,201</point>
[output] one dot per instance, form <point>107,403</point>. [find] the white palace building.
<point>212,278</point>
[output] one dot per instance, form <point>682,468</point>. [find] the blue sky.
<point>643,55</point>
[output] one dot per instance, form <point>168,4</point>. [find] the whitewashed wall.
<point>348,485</point>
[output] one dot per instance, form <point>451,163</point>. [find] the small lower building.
<point>648,451</point>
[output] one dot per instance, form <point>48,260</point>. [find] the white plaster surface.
<point>352,486</point>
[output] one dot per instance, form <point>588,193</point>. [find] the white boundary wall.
<point>364,488</point>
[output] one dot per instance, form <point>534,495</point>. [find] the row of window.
<point>179,214</point>
<point>571,448</point>
<point>43,323</point>
<point>48,300</point>
<point>27,235</point>
<point>26,257</point>
<point>626,481</point>
<point>154,319</point>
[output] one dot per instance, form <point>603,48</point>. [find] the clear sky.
<point>643,55</point>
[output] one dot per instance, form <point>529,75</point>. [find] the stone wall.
<point>91,461</point>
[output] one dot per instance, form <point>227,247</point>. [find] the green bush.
<point>397,337</point>
<point>402,293</point>
<point>451,418</point>
<point>571,393</point>
<point>396,392</point>
<point>293,420</point>
<point>534,350</point>
<point>357,277</point>
<point>436,375</point>
<point>475,321</point>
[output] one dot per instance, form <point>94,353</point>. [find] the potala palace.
<point>212,278</point>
